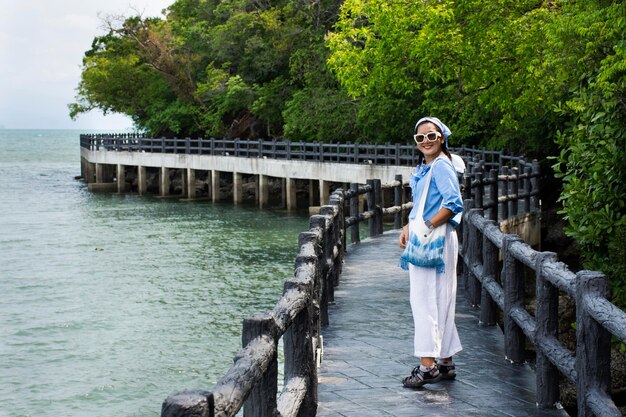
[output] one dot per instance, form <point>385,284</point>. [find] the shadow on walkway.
<point>369,342</point>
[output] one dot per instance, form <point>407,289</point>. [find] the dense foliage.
<point>542,78</point>
<point>592,161</point>
<point>533,77</point>
<point>215,68</point>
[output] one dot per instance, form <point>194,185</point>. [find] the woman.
<point>433,286</point>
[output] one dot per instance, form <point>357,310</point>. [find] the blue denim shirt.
<point>443,191</point>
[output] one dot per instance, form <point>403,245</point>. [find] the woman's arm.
<point>404,236</point>
<point>441,217</point>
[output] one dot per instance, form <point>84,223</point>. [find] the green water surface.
<point>108,303</point>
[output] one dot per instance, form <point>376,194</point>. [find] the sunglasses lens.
<point>430,137</point>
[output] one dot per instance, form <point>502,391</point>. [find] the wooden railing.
<point>252,382</point>
<point>491,283</point>
<point>596,317</point>
<point>297,318</point>
<point>354,153</point>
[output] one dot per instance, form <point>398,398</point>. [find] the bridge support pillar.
<point>99,173</point>
<point>104,173</point>
<point>142,180</point>
<point>263,192</point>
<point>324,192</point>
<point>215,185</point>
<point>121,178</point>
<point>313,193</point>
<point>290,185</point>
<point>237,188</point>
<point>88,170</point>
<point>164,182</point>
<point>283,193</point>
<point>190,189</point>
<point>83,168</point>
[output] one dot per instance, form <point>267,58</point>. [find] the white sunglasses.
<point>430,137</point>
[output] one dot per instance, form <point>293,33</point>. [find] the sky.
<point>42,43</point>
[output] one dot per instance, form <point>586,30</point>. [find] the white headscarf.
<point>444,129</point>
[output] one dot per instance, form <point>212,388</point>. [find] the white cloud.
<point>42,44</point>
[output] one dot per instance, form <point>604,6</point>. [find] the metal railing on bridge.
<point>354,153</point>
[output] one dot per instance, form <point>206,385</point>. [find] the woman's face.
<point>430,149</point>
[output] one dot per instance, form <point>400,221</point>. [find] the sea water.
<point>109,303</point>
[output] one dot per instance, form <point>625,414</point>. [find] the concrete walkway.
<point>368,350</point>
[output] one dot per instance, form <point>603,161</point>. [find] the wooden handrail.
<point>597,318</point>
<point>303,307</point>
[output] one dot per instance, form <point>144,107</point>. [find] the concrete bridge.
<point>120,163</point>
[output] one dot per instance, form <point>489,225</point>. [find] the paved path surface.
<point>368,345</point>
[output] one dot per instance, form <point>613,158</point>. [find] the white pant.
<point>433,298</point>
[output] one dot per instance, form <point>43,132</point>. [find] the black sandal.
<point>419,377</point>
<point>447,371</point>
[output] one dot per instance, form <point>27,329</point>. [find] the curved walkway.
<point>368,345</point>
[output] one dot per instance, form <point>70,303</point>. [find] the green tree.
<point>592,161</point>
<point>471,63</point>
<point>212,67</point>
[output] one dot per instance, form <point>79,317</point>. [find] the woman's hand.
<point>404,236</point>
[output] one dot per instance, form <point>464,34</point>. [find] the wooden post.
<point>307,238</point>
<point>478,190</point>
<point>262,399</point>
<point>513,191</point>
<point>503,208</point>
<point>593,341</point>
<point>328,247</point>
<point>527,172</point>
<point>378,193</point>
<point>474,253</point>
<point>371,206</point>
<point>332,277</point>
<point>397,198</point>
<point>467,186</point>
<point>342,217</point>
<point>188,403</point>
<point>513,282</point>
<point>468,204</point>
<point>336,200</point>
<point>354,212</point>
<point>300,358</point>
<point>488,307</point>
<point>319,222</point>
<point>547,326</point>
<point>492,213</point>
<point>534,186</point>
